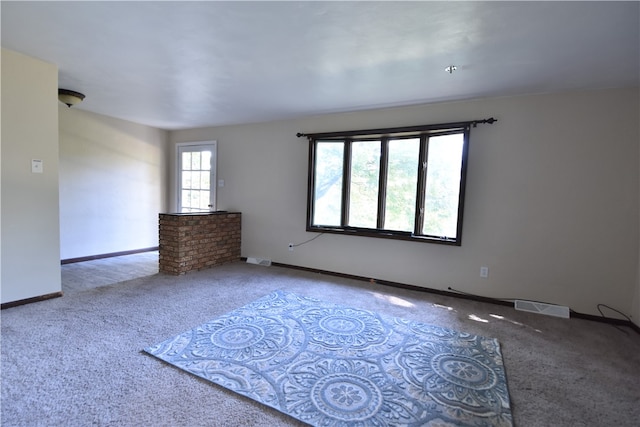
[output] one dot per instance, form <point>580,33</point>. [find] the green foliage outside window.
<point>419,177</point>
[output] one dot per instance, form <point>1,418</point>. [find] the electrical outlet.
<point>290,247</point>
<point>484,272</point>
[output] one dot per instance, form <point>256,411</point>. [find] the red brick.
<point>190,243</point>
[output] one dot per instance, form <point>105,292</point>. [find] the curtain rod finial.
<point>490,120</point>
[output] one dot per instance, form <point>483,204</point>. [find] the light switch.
<point>221,183</point>
<point>36,166</point>
<point>484,272</point>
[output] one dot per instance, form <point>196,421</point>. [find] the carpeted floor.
<point>330,365</point>
<point>80,276</point>
<point>77,360</point>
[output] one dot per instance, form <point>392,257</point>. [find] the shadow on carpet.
<point>329,365</point>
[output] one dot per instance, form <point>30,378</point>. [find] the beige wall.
<point>30,254</point>
<point>552,194</point>
<point>636,297</point>
<point>551,208</point>
<point>113,184</point>
<point>635,313</point>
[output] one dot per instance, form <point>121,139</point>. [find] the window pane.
<point>195,200</point>
<point>205,178</point>
<point>204,200</point>
<point>401,184</point>
<point>328,183</point>
<point>195,180</point>
<point>186,161</point>
<point>443,185</point>
<point>186,200</point>
<point>195,160</point>
<point>206,160</point>
<point>186,180</point>
<point>365,173</point>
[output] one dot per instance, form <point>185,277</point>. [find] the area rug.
<point>330,365</point>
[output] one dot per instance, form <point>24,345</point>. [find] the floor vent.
<point>259,261</point>
<point>542,308</point>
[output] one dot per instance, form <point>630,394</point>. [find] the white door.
<point>196,176</point>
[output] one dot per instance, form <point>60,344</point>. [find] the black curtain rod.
<point>473,123</point>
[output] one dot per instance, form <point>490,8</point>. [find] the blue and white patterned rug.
<point>329,365</point>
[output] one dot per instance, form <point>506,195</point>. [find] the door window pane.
<point>186,161</point>
<point>195,161</point>
<point>206,160</point>
<point>186,179</point>
<point>203,200</point>
<point>205,181</point>
<point>186,200</point>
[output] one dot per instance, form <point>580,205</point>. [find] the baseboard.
<point>397,284</point>
<point>30,300</point>
<point>609,320</point>
<point>472,297</point>
<point>109,255</point>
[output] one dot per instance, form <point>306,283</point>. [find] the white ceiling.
<point>176,65</point>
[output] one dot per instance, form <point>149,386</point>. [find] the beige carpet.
<point>77,360</point>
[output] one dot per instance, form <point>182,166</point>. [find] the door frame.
<point>213,144</point>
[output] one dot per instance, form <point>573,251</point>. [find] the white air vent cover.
<point>259,261</point>
<point>542,308</point>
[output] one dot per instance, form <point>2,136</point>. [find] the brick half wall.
<point>198,241</point>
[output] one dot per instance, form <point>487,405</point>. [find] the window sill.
<point>384,234</point>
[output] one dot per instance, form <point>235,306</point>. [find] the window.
<point>196,177</point>
<point>400,183</point>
